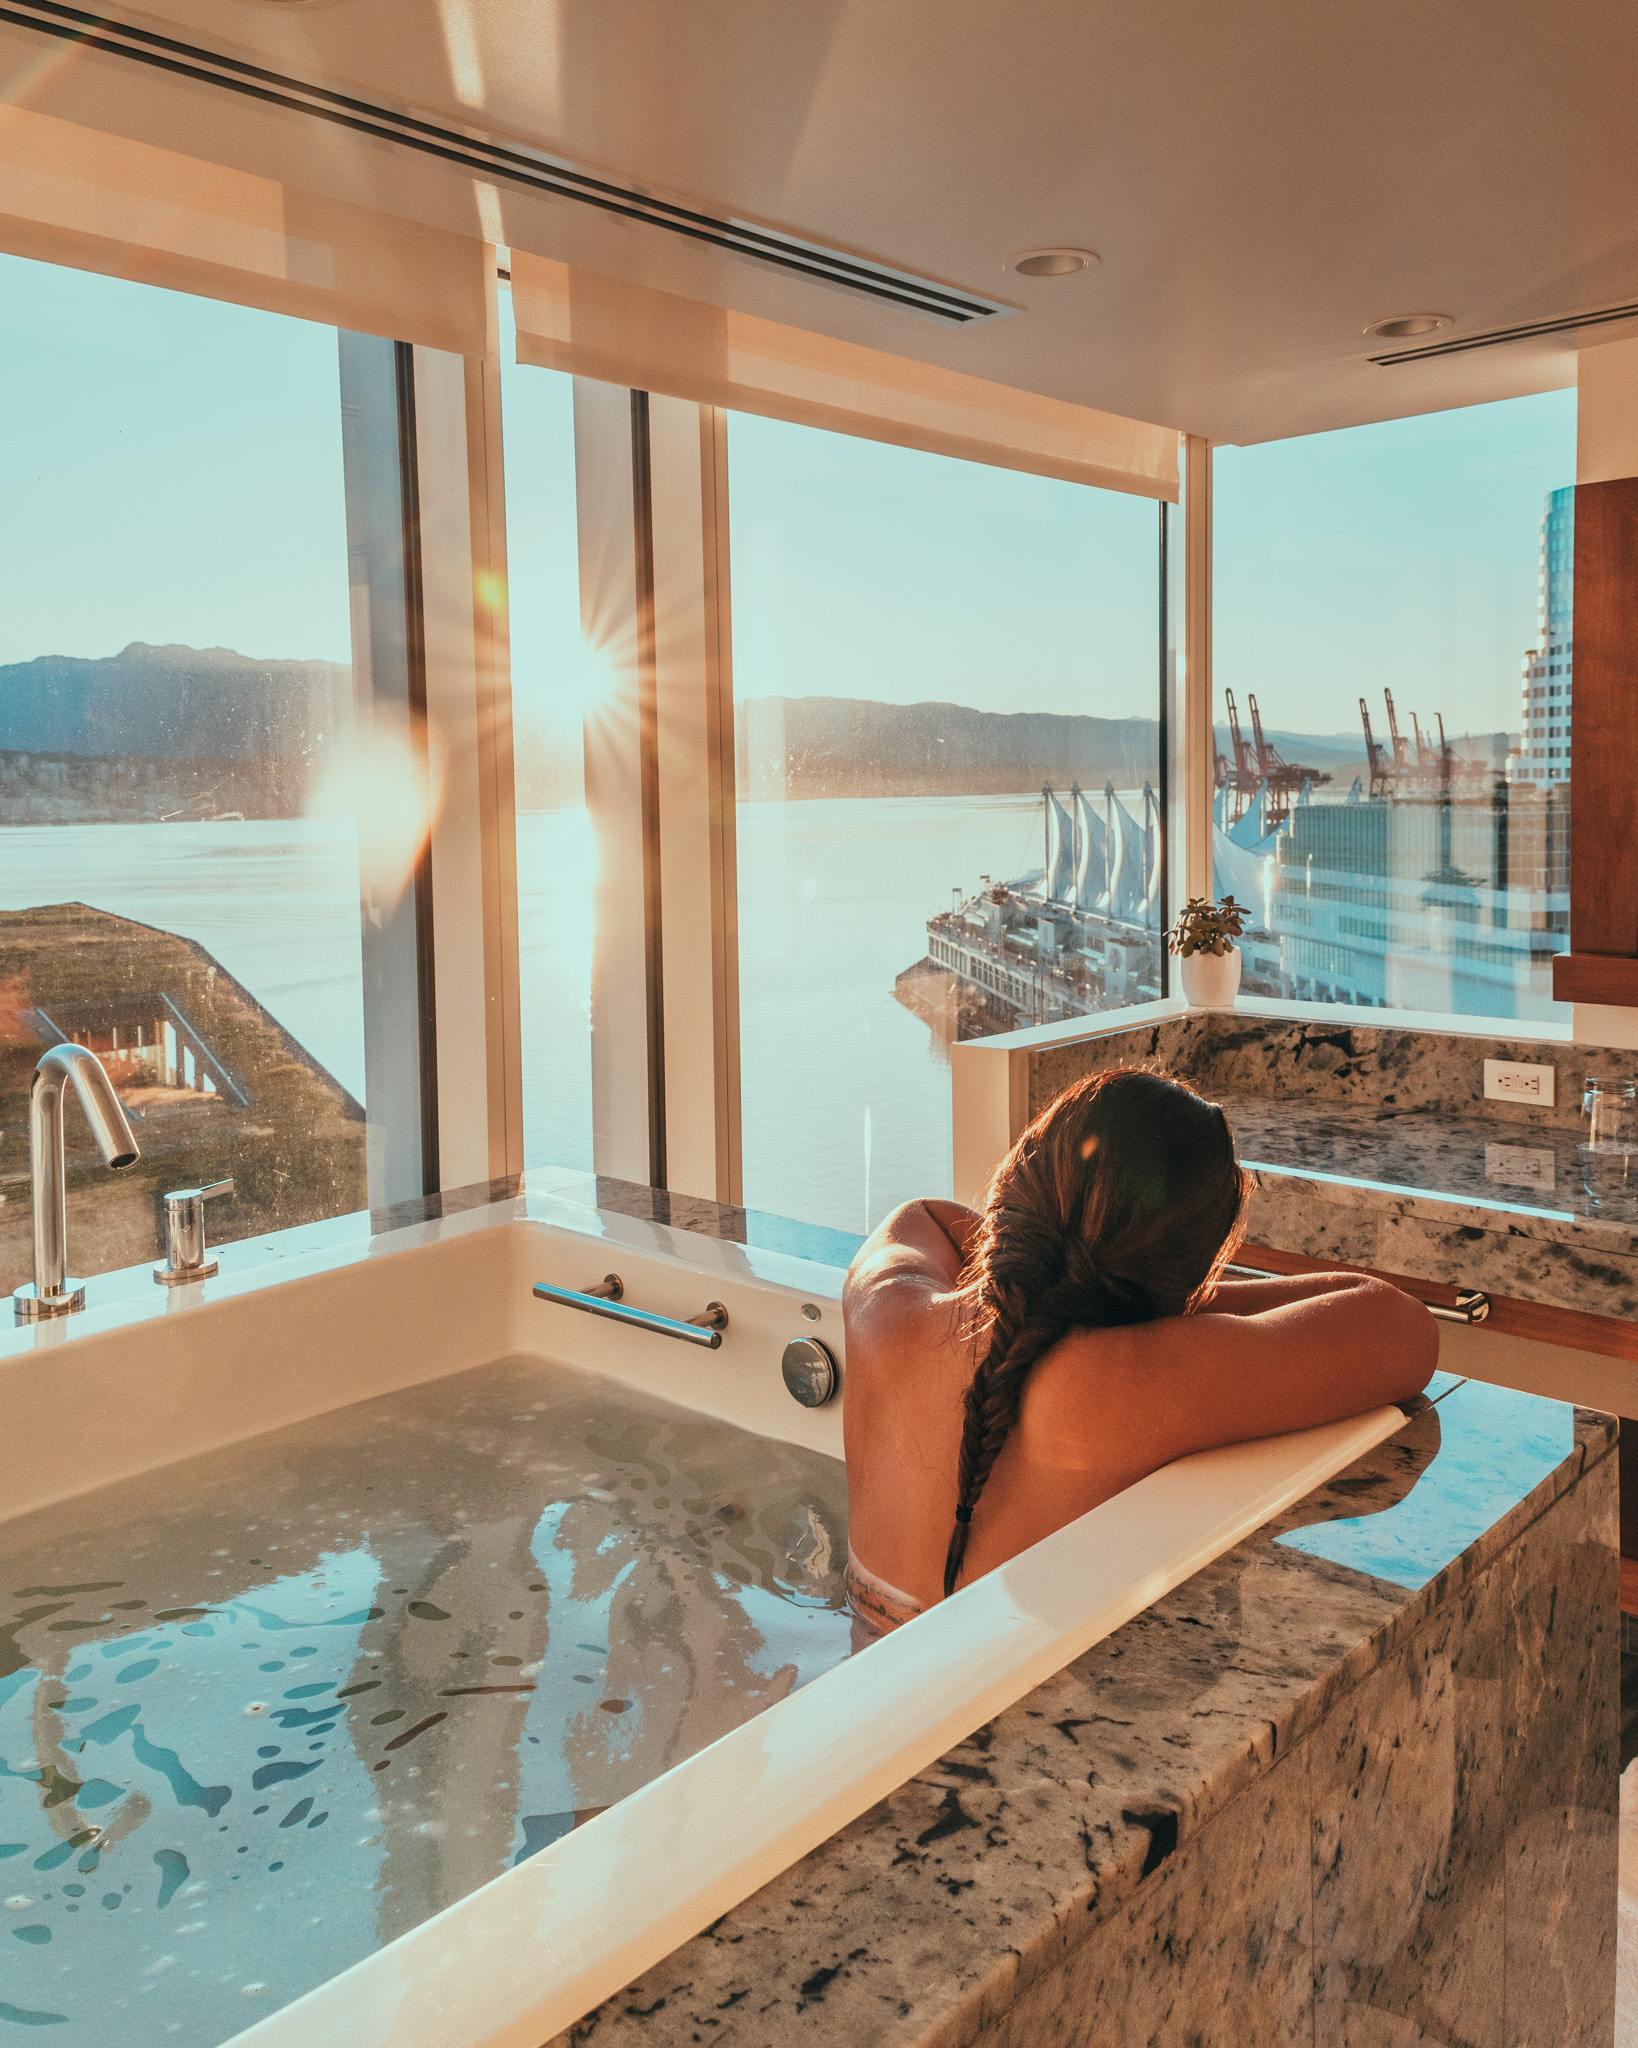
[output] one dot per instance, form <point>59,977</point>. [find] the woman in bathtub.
<point>1010,1370</point>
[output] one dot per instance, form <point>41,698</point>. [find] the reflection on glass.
<point>554,677</point>
<point>946,679</point>
<point>261,1714</point>
<point>1393,810</point>
<point>178,881</point>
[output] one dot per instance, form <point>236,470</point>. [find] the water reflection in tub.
<point>264,1711</point>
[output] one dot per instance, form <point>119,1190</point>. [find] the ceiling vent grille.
<point>1599,317</point>
<point>518,166</point>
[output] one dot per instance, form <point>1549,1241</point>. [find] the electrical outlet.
<point>1520,1166</point>
<point>1517,1081</point>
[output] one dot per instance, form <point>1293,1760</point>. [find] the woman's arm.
<point>1237,1296</point>
<point>1146,1394</point>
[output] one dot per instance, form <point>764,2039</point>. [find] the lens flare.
<point>390,777</point>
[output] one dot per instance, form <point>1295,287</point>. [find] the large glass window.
<point>554,676</point>
<point>1392,654</point>
<point>947,688</point>
<point>179,883</point>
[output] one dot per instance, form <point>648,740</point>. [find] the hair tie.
<point>964,1514</point>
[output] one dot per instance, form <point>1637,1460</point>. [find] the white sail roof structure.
<point>1091,851</point>
<point>1132,893</point>
<point>1058,883</point>
<point>1244,857</point>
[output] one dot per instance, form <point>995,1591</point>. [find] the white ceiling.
<point>1261,180</point>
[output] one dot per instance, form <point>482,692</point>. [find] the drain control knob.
<point>810,1371</point>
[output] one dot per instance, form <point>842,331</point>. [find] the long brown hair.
<point>1119,1204</point>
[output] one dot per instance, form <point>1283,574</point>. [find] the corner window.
<point>1381,606</point>
<point>179,874</point>
<point>947,688</point>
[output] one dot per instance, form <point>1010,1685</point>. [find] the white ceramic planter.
<point>1210,980</point>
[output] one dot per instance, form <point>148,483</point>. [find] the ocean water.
<point>846,1093</point>
<point>264,1711</point>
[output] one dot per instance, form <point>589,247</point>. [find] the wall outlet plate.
<point>1518,1081</point>
<point>1520,1166</point>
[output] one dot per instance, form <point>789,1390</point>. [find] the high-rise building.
<point>1544,749</point>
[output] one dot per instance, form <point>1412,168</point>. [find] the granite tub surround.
<point>1354,1782</point>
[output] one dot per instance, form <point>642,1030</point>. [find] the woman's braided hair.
<point>1119,1204</point>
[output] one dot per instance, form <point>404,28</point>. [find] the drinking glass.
<point>1609,1157</point>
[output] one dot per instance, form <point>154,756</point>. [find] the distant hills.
<point>851,746</point>
<point>173,703</point>
<point>154,731</point>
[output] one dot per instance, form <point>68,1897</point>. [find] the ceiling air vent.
<point>533,169</point>
<point>1601,316</point>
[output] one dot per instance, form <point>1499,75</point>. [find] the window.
<point>1385,599</point>
<point>554,680</point>
<point>179,873</point>
<point>920,645</point>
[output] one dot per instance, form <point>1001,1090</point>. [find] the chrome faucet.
<point>52,1293</point>
<point>185,1259</point>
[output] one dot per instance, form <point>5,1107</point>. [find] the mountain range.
<point>264,727</point>
<point>173,703</point>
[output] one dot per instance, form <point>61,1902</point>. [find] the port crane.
<point>1381,775</point>
<point>1433,770</point>
<point>1259,765</point>
<point>1240,779</point>
<point>1281,778</point>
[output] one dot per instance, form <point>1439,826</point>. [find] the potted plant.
<point>1208,960</point>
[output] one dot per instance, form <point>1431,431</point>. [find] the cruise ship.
<point>1406,895</point>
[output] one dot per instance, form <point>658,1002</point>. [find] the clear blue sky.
<point>172,471</point>
<point>1403,556</point>
<point>863,570</point>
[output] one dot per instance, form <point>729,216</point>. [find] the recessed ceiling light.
<point>1052,262</point>
<point>1406,326</point>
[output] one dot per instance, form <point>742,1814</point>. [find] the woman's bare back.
<point>1101,1408</point>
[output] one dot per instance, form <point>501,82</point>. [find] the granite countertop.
<point>1529,1174</point>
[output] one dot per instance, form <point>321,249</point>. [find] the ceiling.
<point>1260,181</point>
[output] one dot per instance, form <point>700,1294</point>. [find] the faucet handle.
<point>185,1234</point>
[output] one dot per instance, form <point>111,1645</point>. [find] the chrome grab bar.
<point>606,1300</point>
<point>1470,1305</point>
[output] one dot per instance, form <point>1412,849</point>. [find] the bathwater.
<point>262,1712</point>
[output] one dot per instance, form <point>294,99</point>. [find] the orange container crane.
<point>1283,779</point>
<point>1380,773</point>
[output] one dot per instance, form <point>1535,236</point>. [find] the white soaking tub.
<point>736,1731</point>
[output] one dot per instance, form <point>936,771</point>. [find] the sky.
<point>172,472</point>
<point>1403,556</point>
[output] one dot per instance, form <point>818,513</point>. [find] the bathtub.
<point>299,1328</point>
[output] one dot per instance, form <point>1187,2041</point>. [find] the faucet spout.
<point>52,1292</point>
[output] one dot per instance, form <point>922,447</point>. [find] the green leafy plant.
<point>1206,927</point>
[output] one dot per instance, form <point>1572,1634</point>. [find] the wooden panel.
<point>1604,752</point>
<point>1595,977</point>
<point>1610,1336</point>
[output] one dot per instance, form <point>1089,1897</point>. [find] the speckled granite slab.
<point>1353,1782</point>
<point>1375,1146</point>
<point>1335,1059</point>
